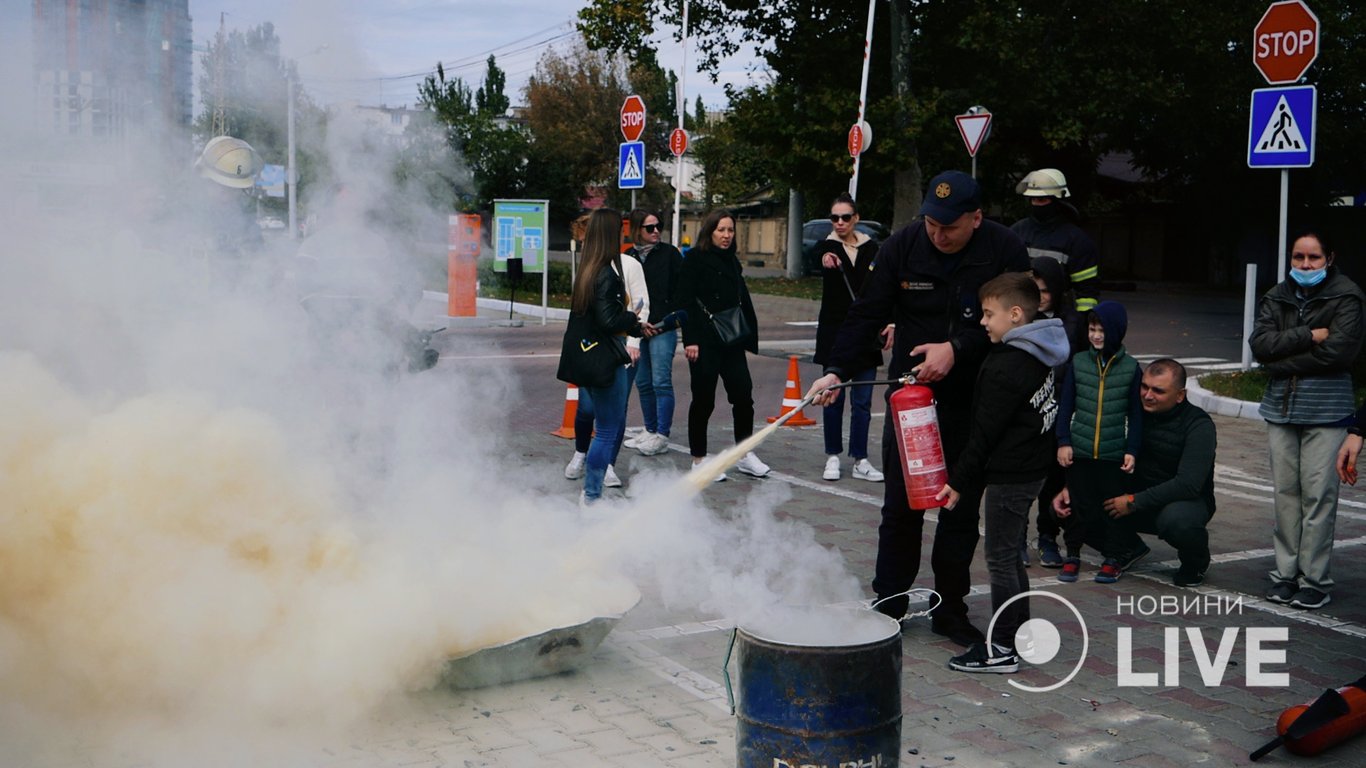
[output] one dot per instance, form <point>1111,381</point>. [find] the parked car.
<point>817,230</point>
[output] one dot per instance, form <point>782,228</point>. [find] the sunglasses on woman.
<point>651,228</point>
<point>841,217</point>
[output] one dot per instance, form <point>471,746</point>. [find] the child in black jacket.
<point>1011,444</point>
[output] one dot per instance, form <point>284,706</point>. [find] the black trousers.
<point>1182,524</point>
<point>955,536</point>
<point>732,368</point>
<point>1090,482</point>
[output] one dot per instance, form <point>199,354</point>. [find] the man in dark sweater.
<point>925,280</point>
<point>1173,482</point>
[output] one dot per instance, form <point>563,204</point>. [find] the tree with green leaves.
<point>1161,82</point>
<point>494,149</point>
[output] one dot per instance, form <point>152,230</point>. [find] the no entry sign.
<point>1285,42</point>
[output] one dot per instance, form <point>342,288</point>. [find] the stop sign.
<point>1285,42</point>
<point>632,118</point>
<point>860,137</point>
<point>678,141</point>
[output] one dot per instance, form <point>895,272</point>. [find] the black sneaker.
<point>1000,660</point>
<point>1310,598</point>
<point>957,628</point>
<point>1188,576</point>
<point>1127,562</point>
<point>1282,592</point>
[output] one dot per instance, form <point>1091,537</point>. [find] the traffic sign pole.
<point>678,162</point>
<point>863,92</point>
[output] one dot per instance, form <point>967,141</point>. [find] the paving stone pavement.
<point>653,694</point>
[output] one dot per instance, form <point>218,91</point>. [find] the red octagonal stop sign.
<point>1285,42</point>
<point>632,118</point>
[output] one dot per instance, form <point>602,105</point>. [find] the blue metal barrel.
<point>819,687</point>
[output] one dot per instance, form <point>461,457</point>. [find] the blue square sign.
<point>1280,132</point>
<point>631,166</point>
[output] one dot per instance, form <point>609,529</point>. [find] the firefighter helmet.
<point>230,162</point>
<point>1045,182</point>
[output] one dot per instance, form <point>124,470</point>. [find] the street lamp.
<point>291,174</point>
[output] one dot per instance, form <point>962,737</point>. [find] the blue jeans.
<point>609,410</point>
<point>583,422</point>
<point>655,380</point>
<point>860,412</point>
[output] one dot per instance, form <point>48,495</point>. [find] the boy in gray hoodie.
<point>1010,444</point>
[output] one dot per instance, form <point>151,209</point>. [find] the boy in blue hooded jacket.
<point>1100,420</point>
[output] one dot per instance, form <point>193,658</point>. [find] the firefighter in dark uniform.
<point>925,280</point>
<point>1050,230</point>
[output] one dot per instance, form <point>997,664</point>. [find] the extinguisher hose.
<point>911,593</point>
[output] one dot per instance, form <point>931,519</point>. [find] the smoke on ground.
<point>233,521</point>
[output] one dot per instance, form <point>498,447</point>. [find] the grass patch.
<point>1239,385</point>
<point>1249,385</point>
<point>801,288</point>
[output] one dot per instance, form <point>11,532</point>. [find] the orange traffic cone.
<point>571,409</point>
<point>792,398</point>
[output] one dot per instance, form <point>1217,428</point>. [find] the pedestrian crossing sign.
<point>631,166</point>
<point>1281,129</point>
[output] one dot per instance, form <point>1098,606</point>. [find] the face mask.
<point>1045,212</point>
<point>1309,278</point>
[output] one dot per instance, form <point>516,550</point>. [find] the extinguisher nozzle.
<point>1267,748</point>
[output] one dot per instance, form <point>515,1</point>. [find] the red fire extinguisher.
<point>1334,717</point>
<point>922,453</point>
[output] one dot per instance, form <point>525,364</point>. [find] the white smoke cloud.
<point>231,522</point>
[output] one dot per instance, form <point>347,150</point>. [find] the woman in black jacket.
<point>600,298</point>
<point>711,282</point>
<point>846,257</point>
<point>1307,333</point>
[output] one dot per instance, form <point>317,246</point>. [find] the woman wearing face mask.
<point>710,283</point>
<point>1307,334</point>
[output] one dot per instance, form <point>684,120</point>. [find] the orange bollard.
<point>792,398</point>
<point>571,409</point>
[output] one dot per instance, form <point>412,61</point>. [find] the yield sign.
<point>973,128</point>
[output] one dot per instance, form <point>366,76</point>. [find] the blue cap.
<point>950,195</point>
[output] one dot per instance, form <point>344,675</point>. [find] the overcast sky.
<point>376,49</point>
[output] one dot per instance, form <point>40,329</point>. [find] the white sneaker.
<point>655,445</point>
<point>610,480</point>
<point>574,469</point>
<point>832,468</point>
<point>751,465</point>
<point>866,471</point>
<point>721,478</point>
<point>634,442</point>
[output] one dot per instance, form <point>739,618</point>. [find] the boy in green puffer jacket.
<point>1099,430</point>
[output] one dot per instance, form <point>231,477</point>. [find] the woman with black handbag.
<point>720,327</point>
<point>593,354</point>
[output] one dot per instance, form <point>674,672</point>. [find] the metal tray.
<point>548,653</point>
